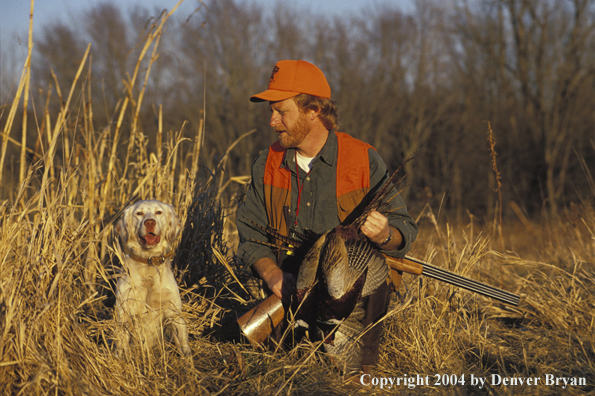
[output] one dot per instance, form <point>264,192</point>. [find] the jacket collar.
<point>328,153</point>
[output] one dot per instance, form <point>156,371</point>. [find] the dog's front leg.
<point>181,337</point>
<point>122,332</point>
<point>180,331</point>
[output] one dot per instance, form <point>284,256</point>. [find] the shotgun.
<point>261,320</point>
<point>414,266</point>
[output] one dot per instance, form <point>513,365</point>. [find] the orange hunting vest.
<point>353,180</point>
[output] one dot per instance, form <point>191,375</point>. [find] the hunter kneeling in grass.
<point>305,229</point>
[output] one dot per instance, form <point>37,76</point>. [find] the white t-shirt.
<point>304,162</point>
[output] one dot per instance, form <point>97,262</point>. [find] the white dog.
<point>147,294</point>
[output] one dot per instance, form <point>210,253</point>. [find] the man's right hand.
<point>282,284</point>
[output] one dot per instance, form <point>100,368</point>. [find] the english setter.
<point>147,294</point>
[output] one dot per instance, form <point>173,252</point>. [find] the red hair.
<point>326,108</point>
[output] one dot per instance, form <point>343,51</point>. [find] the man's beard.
<point>298,133</point>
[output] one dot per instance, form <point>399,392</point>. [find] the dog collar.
<point>155,260</point>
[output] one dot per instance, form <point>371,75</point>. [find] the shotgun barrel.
<point>418,267</point>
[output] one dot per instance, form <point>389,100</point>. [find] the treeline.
<point>427,83</point>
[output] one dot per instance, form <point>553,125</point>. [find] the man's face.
<point>291,125</point>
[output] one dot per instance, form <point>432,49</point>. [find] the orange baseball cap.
<point>291,78</point>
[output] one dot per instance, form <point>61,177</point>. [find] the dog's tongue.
<point>151,239</point>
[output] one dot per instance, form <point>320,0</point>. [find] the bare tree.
<point>543,53</point>
<point>224,64</point>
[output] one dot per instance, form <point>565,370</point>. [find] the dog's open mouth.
<point>150,239</point>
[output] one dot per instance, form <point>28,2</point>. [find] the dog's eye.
<point>140,214</point>
<point>158,212</point>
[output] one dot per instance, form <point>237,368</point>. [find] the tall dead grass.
<point>57,272</point>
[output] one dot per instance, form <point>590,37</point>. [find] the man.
<point>311,179</point>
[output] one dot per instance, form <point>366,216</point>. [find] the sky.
<point>14,14</point>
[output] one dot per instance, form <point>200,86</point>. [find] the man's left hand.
<point>377,230</point>
<point>376,227</point>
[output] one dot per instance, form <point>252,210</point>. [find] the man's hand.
<point>377,230</point>
<point>282,284</point>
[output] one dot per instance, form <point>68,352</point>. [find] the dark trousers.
<point>376,306</point>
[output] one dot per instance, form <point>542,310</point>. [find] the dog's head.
<point>148,228</point>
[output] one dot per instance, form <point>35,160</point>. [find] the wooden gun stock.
<point>260,321</point>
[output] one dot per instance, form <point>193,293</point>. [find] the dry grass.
<point>57,272</point>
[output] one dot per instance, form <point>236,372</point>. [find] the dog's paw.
<point>186,352</point>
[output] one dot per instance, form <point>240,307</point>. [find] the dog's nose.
<point>150,224</point>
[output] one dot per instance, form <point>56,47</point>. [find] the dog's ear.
<point>121,228</point>
<point>173,225</point>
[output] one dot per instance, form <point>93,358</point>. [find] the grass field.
<point>56,308</point>
<point>57,270</point>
